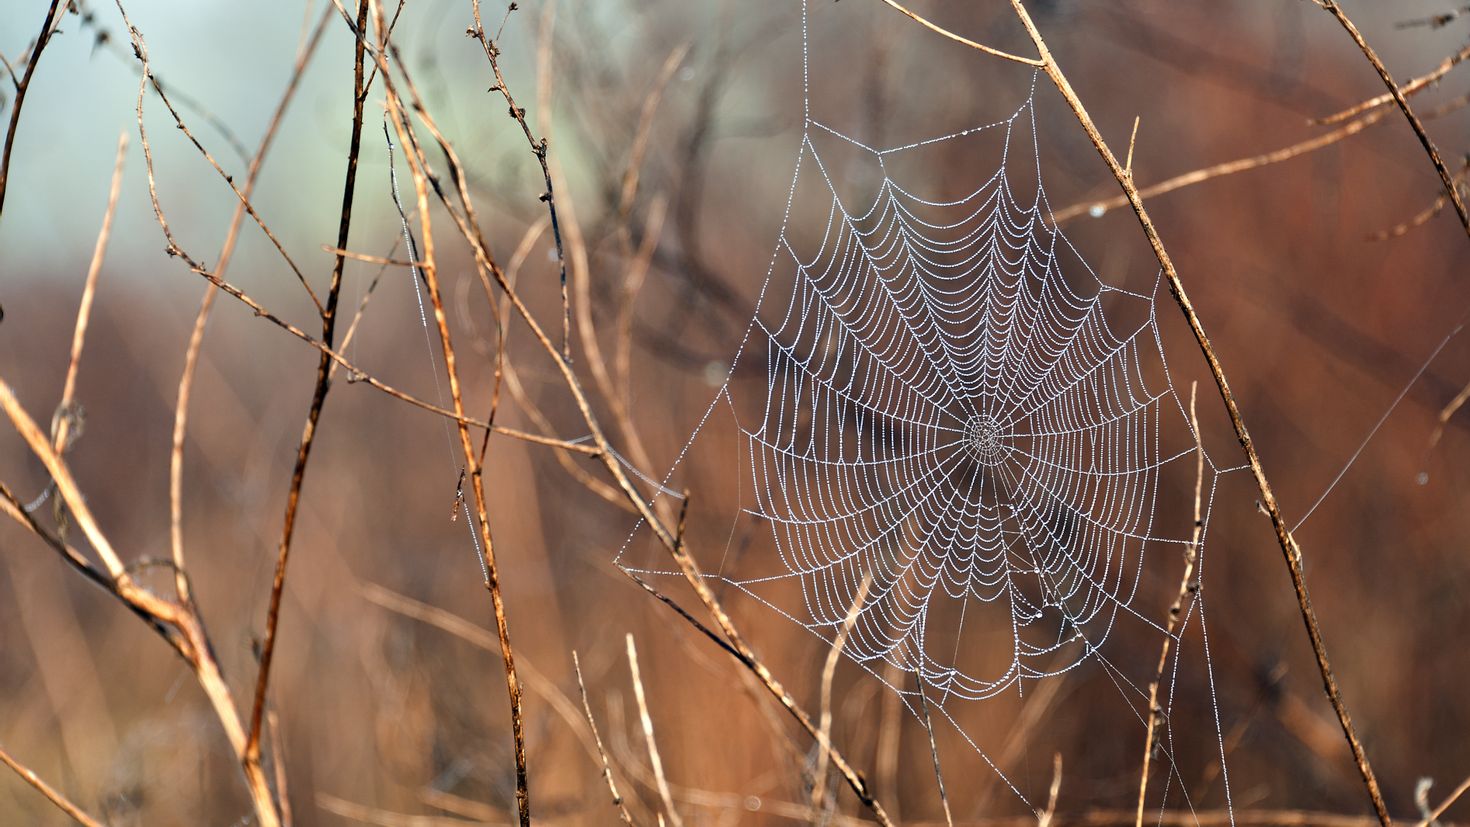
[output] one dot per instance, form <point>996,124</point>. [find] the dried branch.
<point>177,623</point>
<point>607,773</point>
<point>647,720</point>
<point>62,436</point>
<point>318,398</point>
<point>206,305</point>
<point>419,168</point>
<point>1416,85</point>
<point>1289,548</point>
<point>1028,61</point>
<point>48,28</point>
<point>1187,586</point>
<point>538,148</point>
<point>62,803</point>
<point>1198,176</point>
<point>1403,103</point>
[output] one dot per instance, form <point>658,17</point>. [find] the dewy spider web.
<point>959,410</point>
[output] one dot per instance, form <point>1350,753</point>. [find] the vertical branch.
<point>654,758</point>
<point>829,671</point>
<point>473,468</point>
<point>318,397</point>
<point>1289,548</point>
<point>607,773</point>
<point>1186,586</point>
<point>538,148</point>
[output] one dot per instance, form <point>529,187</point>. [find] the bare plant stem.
<point>1403,103</point>
<point>473,469</point>
<point>62,803</point>
<point>48,27</point>
<point>318,398</point>
<point>206,305</point>
<point>607,773</point>
<point>829,672</point>
<point>1186,587</point>
<point>646,719</point>
<point>1289,548</point>
<point>177,623</point>
<point>64,423</point>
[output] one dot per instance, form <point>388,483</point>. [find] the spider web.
<point>953,411</point>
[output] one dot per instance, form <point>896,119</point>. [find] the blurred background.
<point>387,717</point>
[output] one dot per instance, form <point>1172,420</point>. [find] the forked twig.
<point>177,623</point>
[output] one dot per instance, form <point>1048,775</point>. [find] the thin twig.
<point>1445,415</point>
<point>1418,126</point>
<point>1417,84</point>
<point>62,803</point>
<point>206,305</point>
<point>607,773</point>
<point>1422,217</point>
<point>1029,61</point>
<point>1448,802</point>
<point>1187,586</point>
<point>48,27</point>
<point>538,149</point>
<point>647,721</point>
<point>1099,207</point>
<point>1050,813</point>
<point>1289,548</point>
<point>933,747</point>
<point>371,259</point>
<point>418,166</point>
<point>829,671</point>
<point>314,412</point>
<point>89,292</point>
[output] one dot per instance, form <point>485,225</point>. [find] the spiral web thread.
<point>949,413</point>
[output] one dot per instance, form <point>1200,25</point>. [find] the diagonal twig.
<point>1445,178</point>
<point>1291,551</point>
